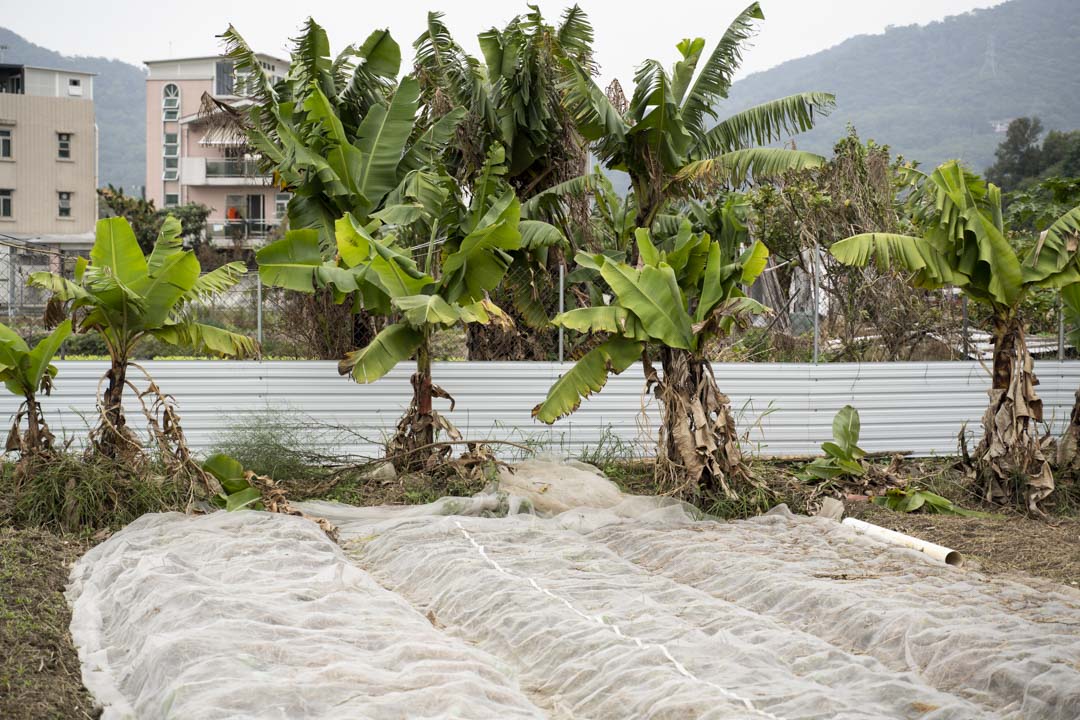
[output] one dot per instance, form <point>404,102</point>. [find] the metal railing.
<point>241,229</point>
<point>232,168</point>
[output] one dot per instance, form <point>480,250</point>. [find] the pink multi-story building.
<point>189,161</point>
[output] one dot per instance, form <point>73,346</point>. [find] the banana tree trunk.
<point>698,454</point>
<point>1068,451</point>
<point>38,437</point>
<point>413,447</point>
<point>113,433</point>
<point>1010,452</point>
<point>421,382</point>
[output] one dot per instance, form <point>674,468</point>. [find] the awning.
<point>222,136</point>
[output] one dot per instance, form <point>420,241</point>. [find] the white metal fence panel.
<point>782,408</point>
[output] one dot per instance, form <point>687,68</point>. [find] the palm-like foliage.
<point>664,140</point>
<point>340,134</point>
<point>127,297</point>
<point>964,244</point>
<point>512,97</point>
<point>683,296</point>
<point>25,372</point>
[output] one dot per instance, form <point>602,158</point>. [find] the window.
<point>74,86</point>
<point>234,207</point>
<point>5,203</point>
<point>170,103</point>
<point>5,143</point>
<point>74,82</point>
<point>63,150</point>
<point>64,208</point>
<point>281,205</point>
<point>172,145</point>
<point>172,199</point>
<point>223,77</point>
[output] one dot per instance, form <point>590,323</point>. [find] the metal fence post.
<point>562,305</point>
<point>11,282</point>
<point>964,327</point>
<point>258,308</point>
<point>817,304</point>
<point>1061,329</point>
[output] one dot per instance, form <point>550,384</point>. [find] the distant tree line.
<point>1022,160</point>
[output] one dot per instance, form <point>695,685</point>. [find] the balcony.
<point>230,168</point>
<point>244,232</point>
<point>222,172</point>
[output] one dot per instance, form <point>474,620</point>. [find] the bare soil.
<point>39,668</point>
<point>1011,544</point>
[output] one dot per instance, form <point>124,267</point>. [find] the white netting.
<point>253,615</point>
<point>637,610</point>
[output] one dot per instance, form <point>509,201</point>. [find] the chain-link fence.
<point>22,306</point>
<point>860,315</point>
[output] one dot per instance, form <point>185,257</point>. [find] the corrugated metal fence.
<point>783,408</point>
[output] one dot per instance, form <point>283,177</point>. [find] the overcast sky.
<point>626,32</point>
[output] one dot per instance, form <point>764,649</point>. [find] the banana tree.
<point>964,244</point>
<point>465,258</point>
<point>127,297</point>
<point>683,296</point>
<point>663,138</point>
<point>512,97</point>
<point>25,372</point>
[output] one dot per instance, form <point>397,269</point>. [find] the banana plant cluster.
<point>127,297</point>
<point>467,254</point>
<point>683,295</point>
<point>965,244</point>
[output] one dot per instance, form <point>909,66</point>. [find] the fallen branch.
<point>809,458</point>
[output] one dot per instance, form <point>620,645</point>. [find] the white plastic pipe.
<point>938,552</point>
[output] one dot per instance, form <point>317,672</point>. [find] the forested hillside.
<point>937,91</point>
<point>119,103</point>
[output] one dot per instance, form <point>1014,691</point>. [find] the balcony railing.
<point>232,168</point>
<point>240,229</point>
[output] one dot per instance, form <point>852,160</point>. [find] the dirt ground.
<point>1011,544</point>
<point>39,670</point>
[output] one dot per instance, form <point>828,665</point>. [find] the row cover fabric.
<point>476,607</point>
<point>257,615</point>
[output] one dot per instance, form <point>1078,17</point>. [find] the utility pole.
<point>989,66</point>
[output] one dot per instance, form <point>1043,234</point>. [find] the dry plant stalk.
<point>275,501</point>
<point>1011,449</point>
<point>698,446</point>
<point>165,433</point>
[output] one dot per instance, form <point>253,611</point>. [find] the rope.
<point>641,644</point>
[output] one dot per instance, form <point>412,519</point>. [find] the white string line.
<point>614,628</point>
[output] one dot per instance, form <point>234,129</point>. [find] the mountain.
<point>936,91</point>
<point>119,103</point>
